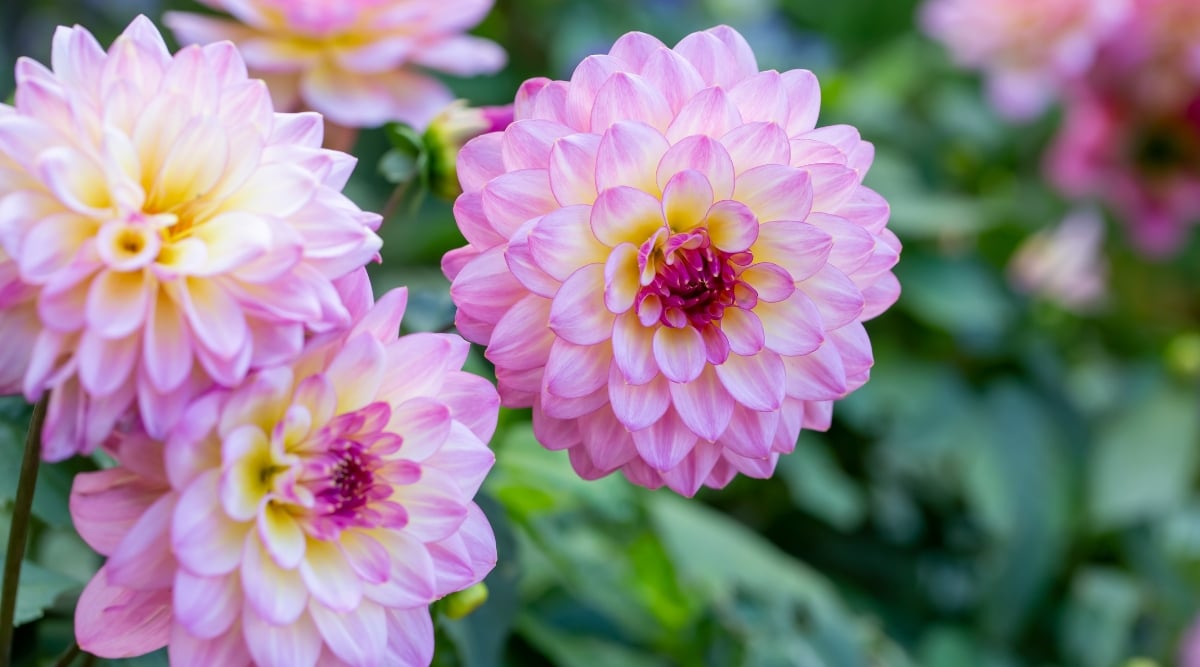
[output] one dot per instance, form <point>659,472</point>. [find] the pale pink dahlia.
<point>669,263</point>
<point>1065,264</point>
<point>308,516</point>
<point>359,62</point>
<point>1027,48</point>
<point>168,227</point>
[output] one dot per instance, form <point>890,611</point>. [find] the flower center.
<point>694,284</point>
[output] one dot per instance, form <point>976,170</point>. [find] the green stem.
<point>19,529</point>
<point>68,656</point>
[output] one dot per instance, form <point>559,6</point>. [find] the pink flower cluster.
<point>181,273</point>
<point>670,262</point>
<point>1128,74</point>
<point>667,260</point>
<point>358,62</point>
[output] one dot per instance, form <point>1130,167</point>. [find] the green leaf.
<point>1144,460</point>
<point>818,486</point>
<point>39,588</point>
<point>1100,617</point>
<point>579,650</point>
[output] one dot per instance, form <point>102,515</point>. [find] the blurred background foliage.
<point>1016,486</point>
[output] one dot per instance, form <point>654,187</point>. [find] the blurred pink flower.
<point>308,516</point>
<point>358,62</point>
<point>669,263</point>
<point>1065,264</point>
<point>1144,162</point>
<point>167,227</point>
<point>1152,60</point>
<point>1027,48</point>
<point>449,131</point>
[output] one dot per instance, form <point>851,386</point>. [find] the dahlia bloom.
<point>359,62</point>
<point>1152,58</point>
<point>308,516</point>
<point>669,263</point>
<point>169,229</point>
<point>1144,163</point>
<point>1065,264</point>
<point>1027,48</point>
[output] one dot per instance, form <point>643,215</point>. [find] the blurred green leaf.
<point>39,588</point>
<point>1145,459</point>
<point>1100,617</point>
<point>817,485</point>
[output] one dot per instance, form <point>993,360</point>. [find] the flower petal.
<point>703,404</point>
<point>680,353</point>
<point>578,313</point>
<point>756,381</point>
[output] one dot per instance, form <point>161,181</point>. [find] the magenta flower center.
<point>695,283</point>
<point>350,479</point>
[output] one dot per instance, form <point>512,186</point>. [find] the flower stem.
<point>68,656</point>
<point>19,529</point>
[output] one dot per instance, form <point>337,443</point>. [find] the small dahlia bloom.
<point>308,516</point>
<point>1065,264</point>
<point>167,228</point>
<point>670,263</point>
<point>1145,163</point>
<point>359,62</point>
<point>1027,48</point>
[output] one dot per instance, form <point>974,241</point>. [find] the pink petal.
<point>575,371</point>
<point>358,636</point>
<point>686,199</point>
<point>479,161</point>
<point>832,186</point>
<point>423,422</point>
<point>292,645</point>
<point>203,539</point>
<point>751,432</point>
<point>215,317</point>
<point>521,339</point>
<point>710,112</point>
<point>357,372</point>
<point>761,98</point>
<point>186,650</point>
<point>819,376</point>
<point>278,595</point>
<point>804,99</point>
<point>117,303</point>
<point>281,535</point>
<point>464,455</point>
<point>800,248</point>
<point>509,200</point>
<point>854,246</point>
<point>626,96</point>
<point>167,352</point>
<point>720,54</point>
<point>606,441</point>
<point>105,365</point>
<point>526,144</point>
<point>731,226</point>
<point>680,353</point>
<point>327,576</point>
<point>578,313</point>
<point>143,559</point>
<point>206,606</point>
<point>633,349</point>
<point>744,331</point>
<point>637,406</point>
<point>671,73</point>
<point>562,241</point>
<point>792,326</point>
<point>755,144</point>
<point>771,281</point>
<point>691,473</point>
<point>105,504</point>
<point>837,298</point>
<point>462,55</point>
<point>635,48</point>
<point>665,442</point>
<point>435,505</point>
<point>703,404</point>
<point>628,154</point>
<point>573,169</point>
<point>410,637</point>
<point>867,210</point>
<point>485,289</point>
<point>465,558</point>
<point>591,73</point>
<point>554,433</point>
<point>411,576</point>
<point>776,192</point>
<point>621,284</point>
<point>756,382</point>
<point>626,215</point>
<point>704,154</point>
<point>115,622</point>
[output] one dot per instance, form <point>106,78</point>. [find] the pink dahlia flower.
<point>669,263</point>
<point>1066,264</point>
<point>359,62</point>
<point>1027,48</point>
<point>1145,163</point>
<point>308,516</point>
<point>170,228</point>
